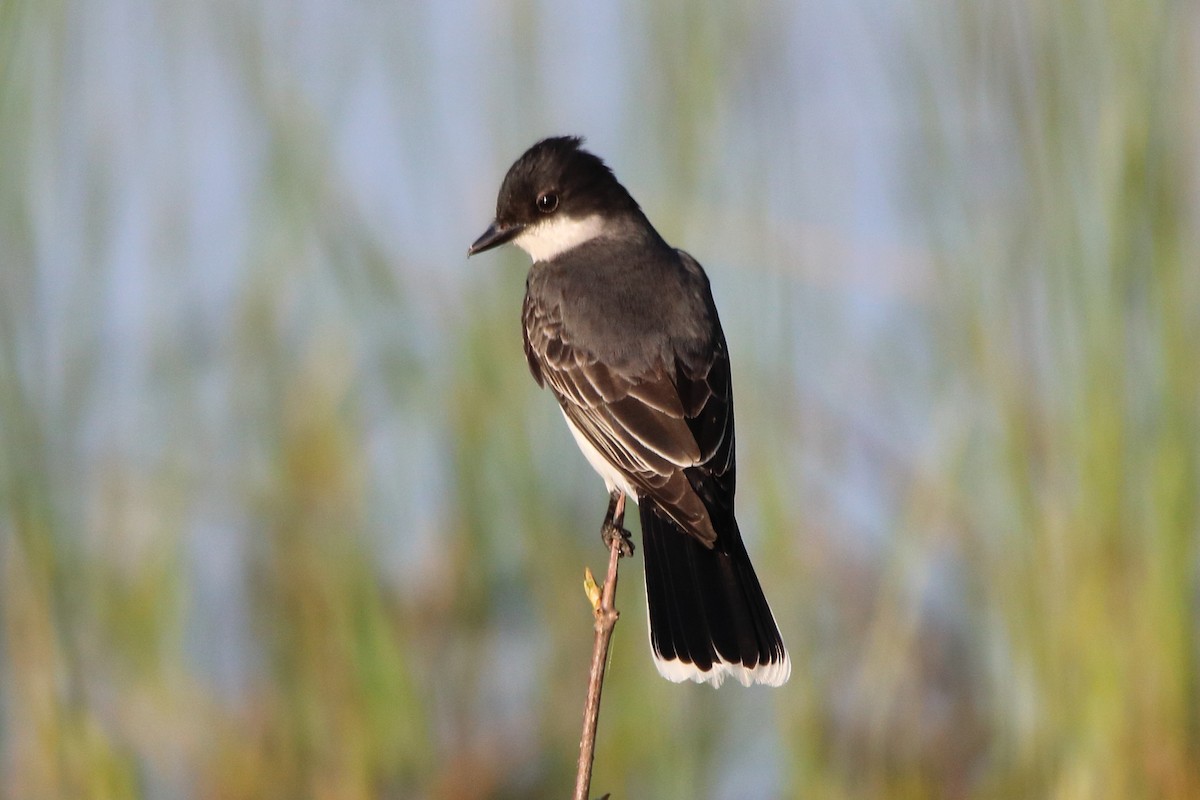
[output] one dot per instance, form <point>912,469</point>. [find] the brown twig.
<point>606,620</point>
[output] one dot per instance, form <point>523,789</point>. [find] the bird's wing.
<point>668,429</point>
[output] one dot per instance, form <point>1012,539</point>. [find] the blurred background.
<point>282,514</point>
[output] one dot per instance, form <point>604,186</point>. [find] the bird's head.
<point>555,197</point>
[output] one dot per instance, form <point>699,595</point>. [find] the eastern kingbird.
<point>622,328</point>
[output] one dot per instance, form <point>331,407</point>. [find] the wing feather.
<point>668,428</point>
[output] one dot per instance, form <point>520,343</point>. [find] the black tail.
<point>708,615</point>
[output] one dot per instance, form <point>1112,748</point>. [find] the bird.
<point>622,328</point>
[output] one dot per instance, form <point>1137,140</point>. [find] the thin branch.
<point>606,620</point>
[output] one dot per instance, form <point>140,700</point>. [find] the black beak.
<point>494,236</point>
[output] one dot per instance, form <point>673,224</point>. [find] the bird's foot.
<point>612,527</point>
<point>611,532</point>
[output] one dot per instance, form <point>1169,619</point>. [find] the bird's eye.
<point>547,202</point>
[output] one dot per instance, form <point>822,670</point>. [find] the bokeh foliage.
<point>281,514</point>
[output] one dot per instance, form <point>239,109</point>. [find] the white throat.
<point>557,235</point>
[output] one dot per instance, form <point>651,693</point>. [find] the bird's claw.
<point>611,532</point>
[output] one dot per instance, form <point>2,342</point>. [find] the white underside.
<point>613,479</point>
<point>558,234</point>
<point>773,674</point>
